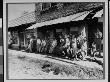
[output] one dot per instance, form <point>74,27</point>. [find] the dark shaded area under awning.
<point>63,25</point>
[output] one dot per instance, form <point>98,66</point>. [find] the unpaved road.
<point>27,69</point>
<point>21,67</point>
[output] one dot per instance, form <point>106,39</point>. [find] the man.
<point>67,46</point>
<point>32,44</point>
<point>38,44</point>
<point>74,46</point>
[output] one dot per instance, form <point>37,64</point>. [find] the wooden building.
<point>52,19</point>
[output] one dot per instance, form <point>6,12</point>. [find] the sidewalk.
<point>56,60</point>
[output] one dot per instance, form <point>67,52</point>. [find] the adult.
<point>67,46</point>
<point>32,44</point>
<point>74,47</point>
<point>38,44</point>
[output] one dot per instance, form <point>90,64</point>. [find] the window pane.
<point>53,4</point>
<point>45,5</point>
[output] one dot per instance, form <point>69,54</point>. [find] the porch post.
<point>86,30</point>
<point>24,38</point>
<point>19,41</point>
<point>35,31</point>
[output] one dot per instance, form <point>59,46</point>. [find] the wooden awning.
<point>75,17</point>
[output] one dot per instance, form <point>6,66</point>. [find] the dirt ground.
<point>23,67</point>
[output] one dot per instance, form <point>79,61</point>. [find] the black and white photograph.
<point>55,41</point>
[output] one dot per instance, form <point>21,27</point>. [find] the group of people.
<point>67,46</point>
<point>71,46</point>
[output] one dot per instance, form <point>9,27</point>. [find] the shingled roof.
<point>69,10</point>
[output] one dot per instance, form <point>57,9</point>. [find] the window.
<point>67,4</point>
<point>53,4</point>
<point>46,6</point>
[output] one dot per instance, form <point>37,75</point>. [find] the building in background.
<point>52,20</point>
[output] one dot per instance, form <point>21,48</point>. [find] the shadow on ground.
<point>95,60</point>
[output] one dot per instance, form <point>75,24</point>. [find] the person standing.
<point>32,44</point>
<point>74,46</point>
<point>38,44</point>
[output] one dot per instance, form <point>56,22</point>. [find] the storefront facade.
<point>64,27</point>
